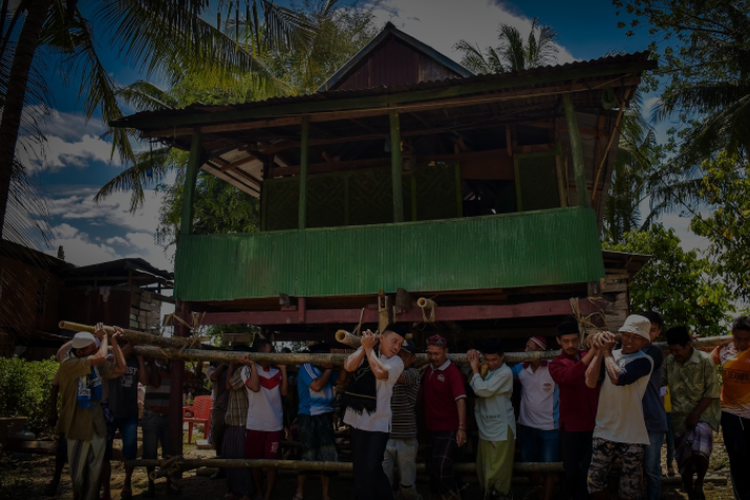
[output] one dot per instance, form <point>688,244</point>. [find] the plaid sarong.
<point>698,441</point>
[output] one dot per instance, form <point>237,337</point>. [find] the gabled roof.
<point>390,30</point>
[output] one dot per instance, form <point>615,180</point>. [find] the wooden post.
<point>191,176</point>
<point>174,437</point>
<point>577,151</point>
<point>398,197</point>
<point>303,167</point>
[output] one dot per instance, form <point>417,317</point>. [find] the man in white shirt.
<point>538,419</point>
<point>620,430</point>
<point>265,385</point>
<point>495,420</point>
<point>375,369</point>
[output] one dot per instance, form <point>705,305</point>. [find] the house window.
<point>41,297</point>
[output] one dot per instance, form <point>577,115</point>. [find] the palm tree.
<point>512,54</point>
<point>159,36</point>
<point>337,34</point>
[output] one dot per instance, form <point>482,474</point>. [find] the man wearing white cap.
<point>81,417</point>
<point>620,430</point>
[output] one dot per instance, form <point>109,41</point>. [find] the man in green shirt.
<point>81,416</point>
<point>696,412</point>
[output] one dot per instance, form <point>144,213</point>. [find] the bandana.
<point>437,341</point>
<point>89,386</point>
<point>539,341</point>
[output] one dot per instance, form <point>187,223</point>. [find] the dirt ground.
<point>24,476</point>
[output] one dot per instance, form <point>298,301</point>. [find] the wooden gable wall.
<point>392,64</point>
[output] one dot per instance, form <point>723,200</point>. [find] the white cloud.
<point>148,250</point>
<point>56,153</point>
<point>442,23</point>
<point>76,203</point>
<point>79,247</point>
<point>688,239</point>
<point>70,127</point>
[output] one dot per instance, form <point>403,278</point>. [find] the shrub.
<point>25,390</point>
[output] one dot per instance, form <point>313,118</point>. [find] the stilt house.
<point>403,177</point>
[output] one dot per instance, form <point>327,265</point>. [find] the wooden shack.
<point>404,177</point>
<point>39,290</point>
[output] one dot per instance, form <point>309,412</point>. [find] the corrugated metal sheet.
<point>525,249</point>
<point>334,95</point>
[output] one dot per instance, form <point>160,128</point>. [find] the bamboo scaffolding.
<point>338,359</point>
<point>130,335</point>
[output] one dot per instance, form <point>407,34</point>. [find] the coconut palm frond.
<point>144,95</point>
<point>150,167</point>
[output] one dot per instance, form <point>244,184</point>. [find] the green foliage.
<point>216,332</point>
<point>681,286</point>
<point>726,186</point>
<point>218,208</point>
<point>25,388</point>
<point>512,54</point>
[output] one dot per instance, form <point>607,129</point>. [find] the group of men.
<point>588,407</point>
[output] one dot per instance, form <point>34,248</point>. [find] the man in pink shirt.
<point>578,405</point>
<point>445,417</point>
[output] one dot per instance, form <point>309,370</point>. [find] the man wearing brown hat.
<point>81,417</point>
<point>620,430</point>
<point>445,417</point>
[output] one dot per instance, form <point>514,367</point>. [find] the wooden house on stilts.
<point>405,177</point>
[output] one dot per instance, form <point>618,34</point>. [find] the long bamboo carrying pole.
<point>131,335</point>
<point>338,359</point>
<point>469,467</point>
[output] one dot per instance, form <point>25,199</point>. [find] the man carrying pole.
<point>81,416</point>
<point>696,411</point>
<point>445,418</point>
<point>495,420</point>
<point>376,368</point>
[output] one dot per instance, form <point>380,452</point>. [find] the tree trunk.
<point>28,42</point>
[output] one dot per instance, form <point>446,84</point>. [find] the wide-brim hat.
<point>637,325</point>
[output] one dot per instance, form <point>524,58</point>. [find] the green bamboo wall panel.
<point>524,249</point>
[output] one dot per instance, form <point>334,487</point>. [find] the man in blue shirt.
<point>315,418</point>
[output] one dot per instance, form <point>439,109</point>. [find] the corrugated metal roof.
<point>334,95</point>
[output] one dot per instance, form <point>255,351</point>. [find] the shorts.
<point>538,445</point>
<point>604,454</point>
<point>318,440</point>
<point>263,444</point>
<point>155,431</point>
<point>128,427</point>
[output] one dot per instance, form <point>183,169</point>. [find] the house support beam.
<point>177,368</point>
<point>577,151</point>
<point>445,313</point>
<point>398,197</point>
<point>191,176</point>
<point>303,171</point>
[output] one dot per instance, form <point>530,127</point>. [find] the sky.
<point>77,159</point>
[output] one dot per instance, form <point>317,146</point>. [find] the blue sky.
<point>76,160</point>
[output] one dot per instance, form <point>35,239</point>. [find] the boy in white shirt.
<point>265,385</point>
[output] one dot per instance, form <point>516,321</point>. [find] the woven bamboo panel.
<point>370,197</point>
<point>281,204</point>
<point>436,192</point>
<point>326,201</point>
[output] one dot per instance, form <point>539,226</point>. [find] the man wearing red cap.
<point>445,417</point>
<point>539,416</point>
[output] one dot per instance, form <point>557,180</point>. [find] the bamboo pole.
<point>130,335</point>
<point>468,467</point>
<point>186,464</point>
<point>428,307</point>
<point>338,359</point>
<point>346,338</point>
